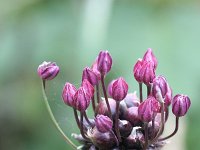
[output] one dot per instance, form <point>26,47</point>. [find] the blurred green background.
<point>72,33</point>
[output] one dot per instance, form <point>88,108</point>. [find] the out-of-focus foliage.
<point>72,33</point>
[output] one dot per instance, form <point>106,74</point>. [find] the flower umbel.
<point>121,121</point>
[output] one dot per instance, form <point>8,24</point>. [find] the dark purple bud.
<point>135,140</point>
<point>125,128</point>
<point>88,88</point>
<point>131,100</point>
<point>90,75</point>
<point>103,123</point>
<point>48,70</point>
<point>161,90</point>
<point>132,116</point>
<point>68,94</point>
<point>144,71</point>
<point>180,105</point>
<point>101,140</point>
<point>119,89</point>
<point>95,70</point>
<point>104,62</point>
<point>146,110</point>
<point>152,131</point>
<point>149,56</point>
<point>81,99</point>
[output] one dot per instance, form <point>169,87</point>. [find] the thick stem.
<point>81,129</point>
<point>117,122</point>
<point>53,118</point>
<point>93,103</point>
<point>76,118</point>
<point>97,92</point>
<point>166,114</point>
<point>146,136</point>
<point>140,89</point>
<point>105,95</point>
<point>162,124</point>
<point>86,118</point>
<point>173,133</point>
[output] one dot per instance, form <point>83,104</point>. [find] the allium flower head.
<point>48,70</point>
<point>103,123</point>
<point>149,56</point>
<point>90,75</point>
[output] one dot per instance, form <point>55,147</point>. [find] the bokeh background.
<point>72,33</point>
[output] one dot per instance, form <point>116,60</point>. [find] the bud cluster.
<point>121,120</point>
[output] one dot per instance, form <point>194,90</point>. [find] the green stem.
<point>53,118</point>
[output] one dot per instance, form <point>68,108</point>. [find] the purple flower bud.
<point>149,56</point>
<point>88,88</point>
<point>104,62</point>
<point>161,90</point>
<point>131,100</point>
<point>48,70</point>
<point>144,71</point>
<point>101,140</point>
<point>103,123</point>
<point>119,89</point>
<point>146,109</point>
<point>81,99</point>
<point>180,105</point>
<point>125,128</point>
<point>90,75</point>
<point>132,116</point>
<point>152,131</point>
<point>95,70</point>
<point>68,94</point>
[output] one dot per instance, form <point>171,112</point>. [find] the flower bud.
<point>135,140</point>
<point>180,105</point>
<point>144,71</point>
<point>88,88</point>
<point>103,123</point>
<point>131,100</point>
<point>152,131</point>
<point>48,70</point>
<point>101,140</point>
<point>149,56</point>
<point>109,89</point>
<point>68,94</point>
<point>119,89</point>
<point>132,116</point>
<point>81,99</point>
<point>104,62</point>
<point>146,110</point>
<point>161,90</point>
<point>90,76</point>
<point>125,128</point>
<point>95,70</point>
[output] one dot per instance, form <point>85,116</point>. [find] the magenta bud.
<point>88,88</point>
<point>119,89</point>
<point>144,71</point>
<point>146,109</point>
<point>104,62</point>
<point>132,116</point>
<point>90,75</point>
<point>81,99</point>
<point>103,123</point>
<point>48,70</point>
<point>149,56</point>
<point>161,90</point>
<point>180,105</point>
<point>68,94</point>
<point>95,70</point>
